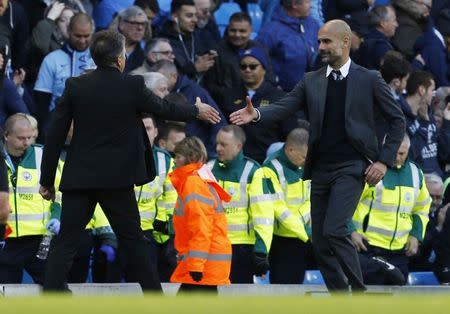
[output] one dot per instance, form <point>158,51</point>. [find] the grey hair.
<point>132,12</point>
<point>379,14</point>
<point>150,45</point>
<point>434,178</point>
<point>153,79</point>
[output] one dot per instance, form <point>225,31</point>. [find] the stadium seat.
<point>382,2</point>
<point>256,14</point>
<point>223,14</point>
<point>313,277</point>
<point>426,278</point>
<point>262,281</point>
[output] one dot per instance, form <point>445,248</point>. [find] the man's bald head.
<point>335,42</point>
<point>338,27</point>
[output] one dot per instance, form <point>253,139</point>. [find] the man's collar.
<point>344,69</point>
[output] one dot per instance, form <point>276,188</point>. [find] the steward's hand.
<point>358,241</point>
<point>206,112</point>
<point>246,115</point>
<point>53,225</point>
<point>109,252</point>
<point>412,246</point>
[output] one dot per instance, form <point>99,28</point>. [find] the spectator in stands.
<point>191,52</point>
<point>73,59</point>
<point>433,50</point>
<point>383,22</point>
<point>156,49</point>
<point>435,250</point>
<point>384,236</point>
<point>133,24</point>
<point>412,17</point>
<point>180,83</point>
<point>395,70</point>
<point>49,34</point>
<point>14,32</point>
<point>293,46</point>
<point>169,135</point>
<point>10,101</point>
<point>253,64</point>
<point>444,139</point>
<point>150,7</point>
<point>340,9</point>
<point>157,83</point>
<point>420,124</point>
<point>225,73</point>
<point>206,24</point>
<point>106,10</point>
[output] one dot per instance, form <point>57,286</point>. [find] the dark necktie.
<point>337,75</point>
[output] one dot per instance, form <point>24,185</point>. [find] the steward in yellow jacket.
<point>250,213</point>
<point>291,248</point>
<point>390,221</point>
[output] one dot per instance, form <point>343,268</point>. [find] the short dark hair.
<point>237,132</point>
<point>153,5</point>
<point>297,137</point>
<point>176,5</point>
<point>106,47</point>
<point>152,43</point>
<point>416,79</point>
<point>240,17</point>
<point>166,127</point>
<point>394,66</point>
<point>379,14</point>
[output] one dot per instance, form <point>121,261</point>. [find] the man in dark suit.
<point>340,101</point>
<point>106,158</point>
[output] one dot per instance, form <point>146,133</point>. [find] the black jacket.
<point>366,94</point>
<point>261,135</point>
<point>225,73</point>
<point>184,56</point>
<point>108,146</point>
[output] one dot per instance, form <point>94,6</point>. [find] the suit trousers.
<point>120,207</point>
<point>335,193</point>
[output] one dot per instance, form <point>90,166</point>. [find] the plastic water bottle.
<point>44,246</point>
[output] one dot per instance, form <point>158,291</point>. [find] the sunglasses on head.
<point>251,66</point>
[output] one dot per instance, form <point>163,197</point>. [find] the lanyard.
<point>191,57</point>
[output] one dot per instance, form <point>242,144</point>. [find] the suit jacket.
<point>366,95</point>
<point>109,145</point>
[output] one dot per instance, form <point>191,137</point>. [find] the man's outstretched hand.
<point>47,192</point>
<point>246,115</point>
<point>206,112</point>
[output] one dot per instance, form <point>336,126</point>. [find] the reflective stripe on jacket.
<point>293,207</point>
<point>29,211</point>
<point>395,208</point>
<point>200,228</point>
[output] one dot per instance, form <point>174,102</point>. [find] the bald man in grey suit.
<point>340,101</point>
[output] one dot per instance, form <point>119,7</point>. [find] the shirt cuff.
<point>258,117</point>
